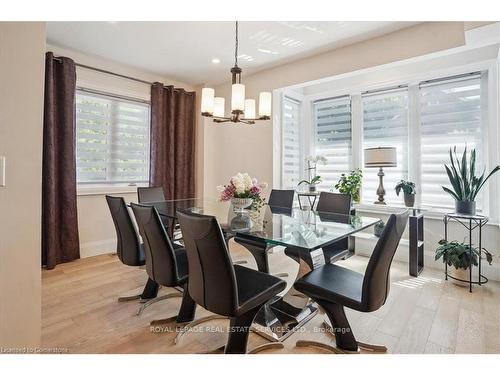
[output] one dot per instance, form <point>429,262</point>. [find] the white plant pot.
<point>459,274</point>
<point>241,203</point>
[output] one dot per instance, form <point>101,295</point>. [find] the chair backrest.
<point>281,198</point>
<point>376,282</point>
<point>161,264</point>
<point>150,194</point>
<point>128,245</point>
<point>334,203</point>
<point>212,282</point>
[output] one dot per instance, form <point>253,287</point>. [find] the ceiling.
<point>184,50</point>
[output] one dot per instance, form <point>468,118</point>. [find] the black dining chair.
<point>333,203</point>
<point>281,198</point>
<point>334,288</point>
<point>166,262</point>
<point>219,286</point>
<point>279,201</point>
<point>129,248</point>
<point>150,194</point>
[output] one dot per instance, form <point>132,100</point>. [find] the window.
<point>450,115</point>
<point>291,153</point>
<point>422,119</point>
<point>332,124</point>
<point>385,123</point>
<point>112,140</point>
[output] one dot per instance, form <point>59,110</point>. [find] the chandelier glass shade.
<point>242,109</point>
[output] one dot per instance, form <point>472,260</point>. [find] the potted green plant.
<point>378,228</point>
<point>459,255</point>
<point>408,190</point>
<point>312,183</point>
<point>465,185</point>
<point>351,184</point>
<point>312,163</point>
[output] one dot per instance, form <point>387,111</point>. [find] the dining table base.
<point>284,315</point>
<point>281,322</point>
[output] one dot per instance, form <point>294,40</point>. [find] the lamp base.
<point>382,203</point>
<point>380,189</point>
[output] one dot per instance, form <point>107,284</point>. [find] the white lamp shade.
<point>207,100</point>
<point>379,157</point>
<point>249,108</point>
<point>238,97</point>
<point>219,107</point>
<point>265,104</point>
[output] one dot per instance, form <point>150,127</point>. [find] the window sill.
<point>107,189</point>
<point>429,213</point>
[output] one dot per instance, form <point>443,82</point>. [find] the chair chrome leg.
<point>269,345</point>
<point>194,323</point>
<point>316,344</point>
<point>159,322</point>
<point>372,347</point>
<point>282,274</point>
<point>362,345</point>
<point>129,298</point>
<point>157,299</point>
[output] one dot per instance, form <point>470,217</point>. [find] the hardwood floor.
<point>80,313</point>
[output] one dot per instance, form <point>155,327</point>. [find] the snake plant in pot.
<point>465,185</point>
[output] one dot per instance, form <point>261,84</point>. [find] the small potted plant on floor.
<point>465,185</point>
<point>351,184</point>
<point>459,256</point>
<point>408,190</point>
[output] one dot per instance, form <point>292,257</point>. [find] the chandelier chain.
<point>236,47</point>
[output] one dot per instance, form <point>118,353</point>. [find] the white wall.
<point>22,48</point>
<point>231,148</point>
<point>97,233</point>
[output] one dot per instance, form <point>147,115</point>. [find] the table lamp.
<point>380,157</point>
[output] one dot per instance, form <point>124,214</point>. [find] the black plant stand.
<point>416,242</point>
<point>469,222</point>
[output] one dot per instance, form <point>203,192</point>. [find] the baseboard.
<point>93,248</point>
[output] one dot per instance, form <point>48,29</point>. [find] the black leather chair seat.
<point>335,284</point>
<point>255,288</point>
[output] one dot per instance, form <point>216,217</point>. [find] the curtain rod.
<point>107,72</point>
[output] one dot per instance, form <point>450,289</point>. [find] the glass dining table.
<point>305,230</point>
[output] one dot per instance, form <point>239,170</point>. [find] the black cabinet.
<point>416,242</point>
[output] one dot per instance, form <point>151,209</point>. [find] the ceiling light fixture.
<point>242,110</point>
<point>215,60</point>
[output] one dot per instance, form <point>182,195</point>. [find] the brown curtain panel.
<point>60,240</point>
<point>173,141</point>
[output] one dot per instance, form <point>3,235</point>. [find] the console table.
<point>469,222</point>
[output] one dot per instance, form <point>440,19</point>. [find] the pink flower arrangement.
<point>241,186</point>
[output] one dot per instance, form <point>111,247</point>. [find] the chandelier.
<point>242,110</point>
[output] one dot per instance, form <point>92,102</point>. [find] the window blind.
<point>333,138</point>
<point>385,123</point>
<point>112,140</point>
<point>450,115</point>
<point>291,153</point>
